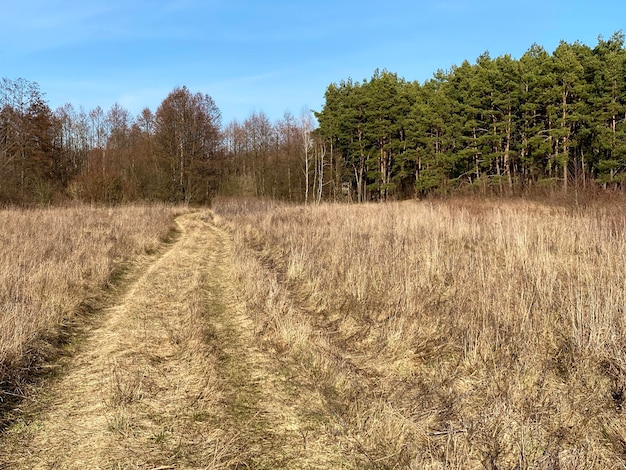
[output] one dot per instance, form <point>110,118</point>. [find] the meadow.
<point>55,265</point>
<point>458,334</point>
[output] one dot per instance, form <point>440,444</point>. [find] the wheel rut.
<point>173,376</point>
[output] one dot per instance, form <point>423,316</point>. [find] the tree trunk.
<point>565,158</point>
<point>507,150</point>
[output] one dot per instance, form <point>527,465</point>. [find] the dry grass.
<point>459,334</point>
<point>54,263</point>
<point>142,389</point>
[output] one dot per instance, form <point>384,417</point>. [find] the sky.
<point>268,56</point>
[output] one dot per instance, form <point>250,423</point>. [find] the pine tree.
<point>609,109</point>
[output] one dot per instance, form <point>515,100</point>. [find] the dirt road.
<point>172,377</point>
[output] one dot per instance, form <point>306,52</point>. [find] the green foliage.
<point>515,123</point>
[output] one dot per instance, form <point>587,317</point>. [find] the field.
<point>460,334</point>
<point>54,265</point>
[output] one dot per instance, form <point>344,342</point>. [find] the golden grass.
<point>54,262</point>
<point>143,388</point>
<point>457,334</point>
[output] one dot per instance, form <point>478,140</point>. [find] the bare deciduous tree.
<point>188,136</point>
<point>306,127</point>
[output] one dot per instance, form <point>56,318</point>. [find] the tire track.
<point>174,377</point>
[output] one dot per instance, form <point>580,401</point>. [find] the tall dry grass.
<point>53,261</point>
<point>457,334</point>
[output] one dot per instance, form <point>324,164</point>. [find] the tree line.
<point>181,153</point>
<point>500,124</point>
<point>111,157</point>
<point>503,125</point>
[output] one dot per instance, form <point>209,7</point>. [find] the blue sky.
<point>270,56</point>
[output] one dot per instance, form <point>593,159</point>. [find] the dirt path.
<point>174,378</point>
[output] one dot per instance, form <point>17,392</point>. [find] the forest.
<point>496,126</point>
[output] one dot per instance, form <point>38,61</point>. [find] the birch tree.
<point>306,127</point>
